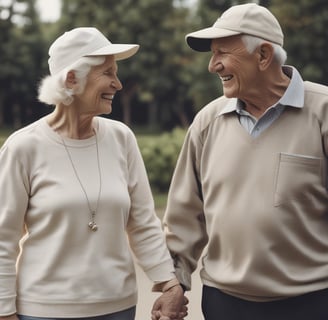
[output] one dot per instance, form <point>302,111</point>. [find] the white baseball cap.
<point>250,18</point>
<point>84,42</point>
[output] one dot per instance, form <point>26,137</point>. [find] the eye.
<point>109,71</point>
<point>219,52</point>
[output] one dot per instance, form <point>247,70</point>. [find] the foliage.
<point>305,25</point>
<point>4,133</point>
<point>160,200</point>
<point>2,140</point>
<point>21,58</point>
<point>166,82</point>
<point>160,154</point>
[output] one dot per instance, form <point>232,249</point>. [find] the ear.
<point>70,81</point>
<point>266,54</point>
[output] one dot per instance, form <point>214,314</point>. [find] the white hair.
<point>251,43</point>
<point>52,89</point>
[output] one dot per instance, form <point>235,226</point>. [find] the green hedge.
<point>160,154</point>
<point>4,133</point>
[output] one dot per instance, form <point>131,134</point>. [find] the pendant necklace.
<point>92,224</point>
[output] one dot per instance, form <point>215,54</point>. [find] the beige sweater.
<point>64,269</point>
<point>259,206</point>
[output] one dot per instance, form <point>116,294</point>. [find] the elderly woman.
<point>75,197</point>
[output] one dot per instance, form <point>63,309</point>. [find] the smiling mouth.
<point>226,78</point>
<point>109,97</point>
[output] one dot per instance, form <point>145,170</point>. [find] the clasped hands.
<point>171,305</point>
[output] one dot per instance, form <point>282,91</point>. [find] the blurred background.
<point>165,84</point>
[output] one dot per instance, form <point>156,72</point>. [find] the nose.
<point>117,84</point>
<point>215,65</point>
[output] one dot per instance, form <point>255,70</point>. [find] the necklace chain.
<point>92,224</point>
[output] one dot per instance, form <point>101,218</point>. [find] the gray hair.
<point>52,89</point>
<point>251,43</point>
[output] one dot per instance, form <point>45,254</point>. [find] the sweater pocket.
<point>297,177</point>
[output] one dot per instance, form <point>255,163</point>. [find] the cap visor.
<point>120,51</point>
<point>201,40</point>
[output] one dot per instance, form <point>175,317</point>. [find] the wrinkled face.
<point>101,85</point>
<point>236,67</point>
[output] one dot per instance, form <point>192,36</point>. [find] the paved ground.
<point>147,298</point>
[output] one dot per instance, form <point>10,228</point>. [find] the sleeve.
<point>13,204</point>
<point>144,228</point>
<point>184,220</point>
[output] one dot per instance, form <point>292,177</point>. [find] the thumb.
<point>156,305</point>
<point>155,315</point>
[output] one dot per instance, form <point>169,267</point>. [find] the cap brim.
<point>201,40</point>
<point>120,51</point>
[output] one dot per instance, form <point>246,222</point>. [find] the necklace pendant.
<point>93,226</point>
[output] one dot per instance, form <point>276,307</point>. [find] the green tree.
<point>21,58</point>
<point>205,86</point>
<point>305,25</point>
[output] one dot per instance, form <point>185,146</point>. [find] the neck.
<point>268,93</point>
<point>66,122</point>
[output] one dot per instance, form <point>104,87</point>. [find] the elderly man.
<point>249,193</point>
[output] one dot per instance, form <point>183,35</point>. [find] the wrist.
<point>170,284</point>
<point>165,285</point>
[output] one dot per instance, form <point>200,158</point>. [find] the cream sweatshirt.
<point>63,268</point>
<point>256,208</point>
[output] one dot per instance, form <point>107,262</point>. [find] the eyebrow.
<point>111,68</point>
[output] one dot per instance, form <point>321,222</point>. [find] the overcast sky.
<point>50,9</point>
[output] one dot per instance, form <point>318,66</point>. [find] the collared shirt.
<point>293,97</point>
<point>255,208</point>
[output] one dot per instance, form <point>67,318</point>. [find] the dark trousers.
<point>127,314</point>
<point>217,305</point>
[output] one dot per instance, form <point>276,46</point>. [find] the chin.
<point>108,111</point>
<point>228,94</point>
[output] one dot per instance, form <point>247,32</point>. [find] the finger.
<point>155,315</point>
<point>156,305</point>
<point>183,310</point>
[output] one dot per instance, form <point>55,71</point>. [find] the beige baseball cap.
<point>250,18</point>
<point>84,42</point>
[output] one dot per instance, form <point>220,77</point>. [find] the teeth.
<point>226,78</point>
<point>108,96</point>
